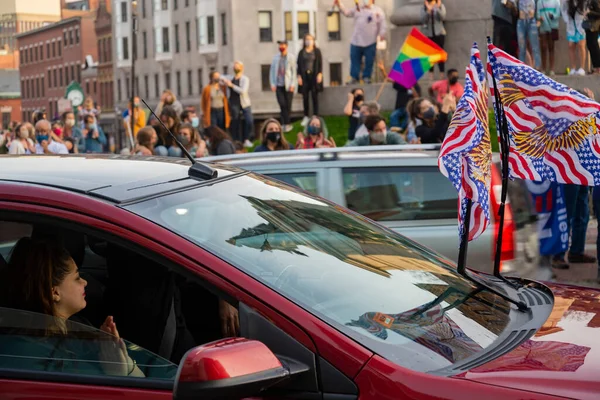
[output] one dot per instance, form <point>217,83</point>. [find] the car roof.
<point>328,154</point>
<point>111,177</point>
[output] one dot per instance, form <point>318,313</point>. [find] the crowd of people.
<point>528,29</point>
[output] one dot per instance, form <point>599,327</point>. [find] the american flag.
<point>466,154</point>
<point>553,130</point>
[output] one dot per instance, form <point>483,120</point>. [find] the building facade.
<point>105,73</point>
<point>17,16</point>
<point>179,42</point>
<point>50,58</point>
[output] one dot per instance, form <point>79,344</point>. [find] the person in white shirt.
<point>45,144</point>
<point>22,144</point>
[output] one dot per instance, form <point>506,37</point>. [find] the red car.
<point>329,304</point>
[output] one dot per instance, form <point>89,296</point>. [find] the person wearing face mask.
<point>451,85</point>
<point>189,137</point>
<point>432,126</point>
<point>95,140</point>
<point>433,15</point>
<point>45,144</point>
<point>240,108</point>
<point>356,98</point>
<point>310,76</point>
<point>366,109</point>
<point>139,116</point>
<point>189,117</point>
<point>283,77</point>
<point>88,109</point>
<point>214,104</point>
<point>22,144</point>
<point>165,146</point>
<point>272,137</point>
<point>369,25</point>
<point>168,98</point>
<point>72,131</point>
<point>378,134</point>
<point>315,136</point>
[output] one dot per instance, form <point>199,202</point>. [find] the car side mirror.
<point>229,369</point>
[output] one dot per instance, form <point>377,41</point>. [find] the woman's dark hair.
<point>169,112</point>
<point>372,120</point>
<point>576,6</point>
<point>194,135</point>
<point>63,116</point>
<point>73,143</point>
<point>282,144</point>
<point>144,137</point>
<point>414,108</point>
<point>35,267</point>
<point>216,136</point>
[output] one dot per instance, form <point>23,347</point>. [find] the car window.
<point>10,233</point>
<point>38,342</point>
<point>304,180</point>
<point>397,299</point>
<point>400,194</point>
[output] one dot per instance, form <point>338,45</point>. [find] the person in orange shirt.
<point>139,117</point>
<point>214,105</point>
<point>451,85</point>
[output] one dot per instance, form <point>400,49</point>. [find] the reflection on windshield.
<point>398,300</point>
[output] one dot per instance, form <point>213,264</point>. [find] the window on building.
<point>70,38</point>
<point>165,39</point>
<point>265,26</point>
<point>201,31</point>
<point>225,70</point>
<point>23,92</point>
<point>54,74</point>
<point>41,52</point>
<point>76,35</point>
<point>143,8</point>
<point>53,49</point>
<point>188,40</point>
<point>125,41</point>
<point>48,50</point>
<point>146,87</point>
<point>37,87</point>
<point>164,4</point>
<point>66,75</point>
<point>303,23</point>
<point>224,29</point>
<point>335,74</point>
<point>189,82</point>
<point>59,48</point>
<point>168,80</point>
<point>175,4</point>
<point>36,54</point>
<point>127,87</point>
<point>31,59</point>
<point>49,79</point>
<point>123,11</point>
<point>43,87</point>
<point>210,28</point>
<point>65,40</point>
<point>156,86</point>
<point>87,88</point>
<point>119,92</point>
<point>334,26</point>
<point>178,82</point>
<point>95,87</point>
<point>145,44</point>
<point>200,81</point>
<point>287,24</point>
<point>176,33</point>
<point>265,71</point>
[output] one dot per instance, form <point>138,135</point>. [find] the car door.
<point>279,329</point>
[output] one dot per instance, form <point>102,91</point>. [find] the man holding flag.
<point>466,154</point>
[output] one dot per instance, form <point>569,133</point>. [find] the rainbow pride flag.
<point>417,55</point>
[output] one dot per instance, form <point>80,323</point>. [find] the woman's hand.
<point>230,322</point>
<point>110,327</point>
<point>114,358</point>
<point>300,141</point>
<point>319,78</point>
<point>299,80</point>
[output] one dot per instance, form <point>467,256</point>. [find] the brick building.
<point>51,57</point>
<point>103,27</point>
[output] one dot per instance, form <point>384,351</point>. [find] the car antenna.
<point>197,170</point>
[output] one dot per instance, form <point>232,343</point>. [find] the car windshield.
<point>396,298</point>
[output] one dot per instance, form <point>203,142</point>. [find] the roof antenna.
<point>197,170</point>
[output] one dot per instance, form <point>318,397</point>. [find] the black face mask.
<point>359,98</point>
<point>453,80</point>
<point>429,114</point>
<point>273,137</point>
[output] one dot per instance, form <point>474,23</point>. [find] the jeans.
<point>356,55</point>
<point>284,98</point>
<point>399,118</point>
<point>309,89</point>
<point>217,117</point>
<point>578,216</point>
<point>505,36</point>
<point>173,151</point>
<point>591,39</point>
<point>239,131</point>
<point>527,31</point>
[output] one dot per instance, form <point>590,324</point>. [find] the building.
<point>179,42</point>
<point>10,97</point>
<point>50,58</point>
<point>105,73</point>
<point>18,16</point>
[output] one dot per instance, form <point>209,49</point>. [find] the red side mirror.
<point>228,369</point>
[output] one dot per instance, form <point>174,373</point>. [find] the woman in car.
<point>41,277</point>
<point>272,137</point>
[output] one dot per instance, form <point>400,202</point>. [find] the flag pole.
<point>503,141</point>
<point>464,240</point>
